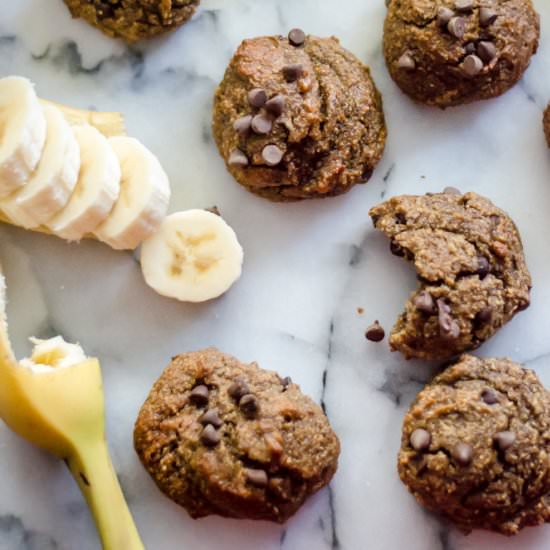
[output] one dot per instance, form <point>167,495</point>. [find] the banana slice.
<point>96,191</point>
<point>22,133</point>
<point>195,256</point>
<point>50,186</point>
<point>144,196</point>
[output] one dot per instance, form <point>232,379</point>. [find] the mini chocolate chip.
<point>504,440</point>
<point>487,51</point>
<point>242,125</point>
<point>489,396</point>
<point>464,6</point>
<point>237,158</point>
<point>297,37</point>
<point>257,97</point>
<point>444,15</point>
<point>293,72</point>
<point>238,388</point>
<point>375,333</point>
<point>211,416</point>
<point>210,436</point>
<point>452,191</point>
<point>457,27</point>
<point>425,303</point>
<point>286,381</point>
<point>484,316</point>
<point>472,65</point>
<point>483,267</point>
<point>199,395</point>
<point>276,105</point>
<point>470,48</point>
<point>420,440</point>
<point>463,454</point>
<point>524,305</point>
<point>406,62</point>
<point>249,405</point>
<point>261,124</point>
<point>396,249</point>
<point>272,155</point>
<point>448,326</point>
<point>487,17</point>
<point>258,478</point>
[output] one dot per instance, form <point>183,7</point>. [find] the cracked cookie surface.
<point>476,446</point>
<point>298,117</point>
<point>227,438</point>
<point>450,52</point>
<point>469,260</point>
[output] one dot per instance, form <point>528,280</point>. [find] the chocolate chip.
<point>464,6</point>
<point>211,416</point>
<point>286,381</point>
<point>396,249</point>
<point>448,327</point>
<point>489,396</point>
<point>258,478</point>
<point>272,155</point>
<point>457,27</point>
<point>504,440</point>
<point>242,125</point>
<point>487,51</point>
<point>276,105</point>
<point>484,316</point>
<point>293,72</point>
<point>297,37</point>
<point>472,65</point>
<point>237,158</point>
<point>524,305</point>
<point>463,454</point>
<point>199,395</point>
<point>444,15</point>
<point>257,97</point>
<point>425,303</point>
<point>452,191</point>
<point>406,62</point>
<point>238,388</point>
<point>483,267</point>
<point>420,440</point>
<point>261,124</point>
<point>210,436</point>
<point>249,405</point>
<point>375,333</point>
<point>470,48</point>
<point>487,17</point>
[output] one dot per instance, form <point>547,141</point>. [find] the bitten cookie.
<point>476,446</point>
<point>469,260</point>
<point>298,117</point>
<point>450,52</point>
<point>133,20</point>
<point>227,438</point>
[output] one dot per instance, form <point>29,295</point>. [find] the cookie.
<point>133,20</point>
<point>469,261</point>
<point>476,446</point>
<point>298,117</point>
<point>222,437</point>
<point>450,52</point>
<point>546,124</point>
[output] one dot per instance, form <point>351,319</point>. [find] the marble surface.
<point>308,268</point>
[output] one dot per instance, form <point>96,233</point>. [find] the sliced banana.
<point>50,186</point>
<point>96,191</point>
<point>195,256</point>
<point>144,196</point>
<point>22,133</point>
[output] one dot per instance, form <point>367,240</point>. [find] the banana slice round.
<point>194,257</point>
<point>144,196</point>
<point>50,186</point>
<point>22,133</point>
<point>96,190</point>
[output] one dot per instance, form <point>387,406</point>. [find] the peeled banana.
<point>54,399</point>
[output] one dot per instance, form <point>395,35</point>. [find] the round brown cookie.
<point>450,52</point>
<point>298,117</point>
<point>546,124</point>
<point>469,260</point>
<point>476,446</point>
<point>133,20</point>
<point>222,437</point>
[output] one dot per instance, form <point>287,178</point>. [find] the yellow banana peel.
<point>61,410</point>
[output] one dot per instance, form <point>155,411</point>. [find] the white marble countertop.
<point>308,267</point>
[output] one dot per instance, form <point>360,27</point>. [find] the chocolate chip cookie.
<point>469,260</point>
<point>133,20</point>
<point>450,52</point>
<point>476,446</point>
<point>227,438</point>
<point>298,117</point>
<point>546,124</point>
